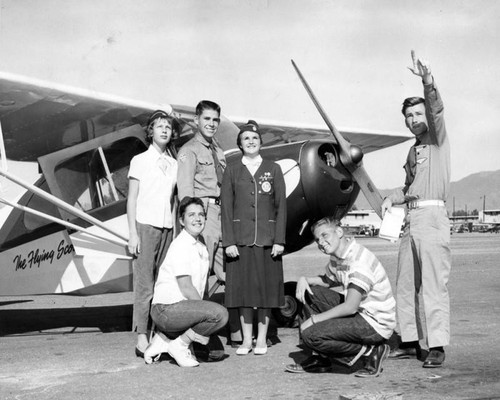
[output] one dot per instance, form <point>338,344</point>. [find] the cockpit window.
<point>98,177</point>
<point>81,181</point>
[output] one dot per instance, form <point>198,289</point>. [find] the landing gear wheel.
<point>286,316</point>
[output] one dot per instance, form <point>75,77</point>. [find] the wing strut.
<point>62,204</point>
<point>108,173</point>
<point>350,155</point>
<point>67,224</point>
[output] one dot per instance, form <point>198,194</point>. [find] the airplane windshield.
<point>98,177</point>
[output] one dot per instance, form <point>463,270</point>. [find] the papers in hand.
<point>391,224</point>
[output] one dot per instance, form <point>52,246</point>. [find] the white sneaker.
<point>159,344</point>
<point>181,354</point>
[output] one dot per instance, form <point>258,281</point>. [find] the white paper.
<point>391,224</point>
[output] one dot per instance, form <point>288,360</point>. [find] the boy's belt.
<point>412,205</point>
<point>214,200</point>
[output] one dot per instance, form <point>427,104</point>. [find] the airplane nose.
<point>318,185</point>
<point>328,187</point>
<point>356,154</point>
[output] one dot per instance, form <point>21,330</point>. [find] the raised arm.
<point>433,104</point>
<point>421,68</point>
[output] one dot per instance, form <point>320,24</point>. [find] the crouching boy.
<point>350,311</point>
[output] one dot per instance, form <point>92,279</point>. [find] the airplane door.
<point>92,176</point>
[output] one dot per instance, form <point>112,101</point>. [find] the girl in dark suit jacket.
<point>253,201</point>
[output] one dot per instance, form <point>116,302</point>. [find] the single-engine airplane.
<point>67,232</point>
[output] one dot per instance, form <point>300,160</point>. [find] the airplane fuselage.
<point>40,257</point>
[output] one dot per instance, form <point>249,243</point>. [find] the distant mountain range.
<point>467,193</point>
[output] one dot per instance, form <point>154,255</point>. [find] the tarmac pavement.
<point>66,347</point>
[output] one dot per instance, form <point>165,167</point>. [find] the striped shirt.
<point>359,268</point>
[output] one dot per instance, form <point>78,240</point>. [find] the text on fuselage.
<point>39,256</point>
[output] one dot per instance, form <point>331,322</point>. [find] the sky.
<point>354,54</point>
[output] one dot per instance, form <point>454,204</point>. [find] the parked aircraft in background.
<point>67,232</point>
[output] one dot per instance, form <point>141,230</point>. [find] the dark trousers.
<point>154,246</point>
<point>344,339</point>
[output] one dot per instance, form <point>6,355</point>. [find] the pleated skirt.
<point>254,279</point>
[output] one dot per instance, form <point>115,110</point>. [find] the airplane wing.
<point>283,132</point>
<point>40,117</point>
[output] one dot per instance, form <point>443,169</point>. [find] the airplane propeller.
<point>350,155</point>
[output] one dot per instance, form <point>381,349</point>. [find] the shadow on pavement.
<point>107,319</point>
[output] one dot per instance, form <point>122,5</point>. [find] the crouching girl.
<point>180,314</point>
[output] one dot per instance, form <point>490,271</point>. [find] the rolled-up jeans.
<point>344,339</point>
<point>203,317</point>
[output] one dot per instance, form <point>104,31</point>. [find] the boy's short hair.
<point>186,202</point>
<point>155,115</point>
<point>207,105</point>
<point>331,221</point>
<point>410,102</point>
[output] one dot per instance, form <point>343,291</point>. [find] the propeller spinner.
<point>350,155</point>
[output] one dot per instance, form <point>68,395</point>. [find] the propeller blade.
<point>356,169</point>
<point>344,144</point>
<point>368,188</point>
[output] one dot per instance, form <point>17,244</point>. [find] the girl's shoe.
<point>158,345</point>
<point>243,351</point>
<point>260,351</point>
<point>181,354</point>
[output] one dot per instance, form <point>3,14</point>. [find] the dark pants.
<point>344,339</point>
<point>154,245</point>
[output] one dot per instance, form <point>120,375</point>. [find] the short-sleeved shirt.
<point>157,176</point>
<point>359,268</point>
<point>186,256</point>
<point>196,175</point>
